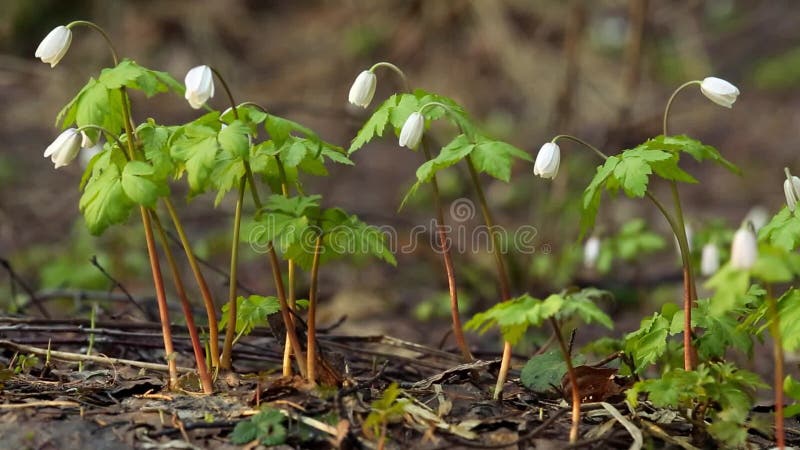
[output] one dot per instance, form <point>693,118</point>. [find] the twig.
<point>66,356</point>
<point>16,279</point>
<point>119,285</point>
<point>41,404</point>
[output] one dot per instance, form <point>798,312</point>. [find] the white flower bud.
<point>54,46</point>
<point>199,86</point>
<point>719,91</point>
<point>744,249</point>
<point>65,148</point>
<point>591,251</point>
<point>758,216</point>
<point>363,89</point>
<point>709,261</point>
<point>791,190</point>
<point>547,161</point>
<point>88,153</point>
<point>411,133</point>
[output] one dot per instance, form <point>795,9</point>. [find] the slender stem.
<point>441,229</point>
<point>671,99</point>
<point>227,91</point>
<point>775,331</point>
<point>287,347</point>
<point>395,69</point>
<point>161,298</point>
<point>311,343</point>
<point>276,275</point>
<point>197,347</point>
<point>689,289</point>
<point>505,290</point>
<point>230,327</point>
<point>573,381</point>
<point>107,133</point>
<point>102,32</point>
<point>679,230</point>
<point>205,292</point>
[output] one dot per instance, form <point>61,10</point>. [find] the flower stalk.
<point>311,344</point>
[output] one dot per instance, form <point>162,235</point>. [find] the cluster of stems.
<point>150,217</point>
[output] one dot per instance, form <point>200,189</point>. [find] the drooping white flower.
<point>591,251</point>
<point>744,249</point>
<point>791,190</point>
<point>547,161</point>
<point>64,148</point>
<point>363,89</point>
<point>709,260</point>
<point>719,91</point>
<point>199,86</point>
<point>758,216</point>
<point>411,133</point>
<point>55,45</point>
<point>87,153</point>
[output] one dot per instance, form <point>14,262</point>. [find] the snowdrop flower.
<point>547,161</point>
<point>791,189</point>
<point>744,250</point>
<point>709,261</point>
<point>65,148</point>
<point>591,251</point>
<point>719,91</point>
<point>363,89</point>
<point>199,86</point>
<point>411,133</point>
<point>55,45</point>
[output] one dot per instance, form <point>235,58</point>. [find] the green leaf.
<point>582,305</point>
<point>542,372</point>
<point>251,312</point>
<point>235,139</point>
<point>451,154</point>
<point>138,186</point>
<point>104,202</point>
<point>99,106</point>
<point>632,173</point>
<point>155,144</point>
<point>495,158</point>
<point>698,150</point>
<point>789,319</point>
<point>133,76</point>
<point>266,427</point>
<point>730,289</point>
<point>649,342</point>
<point>591,196</point>
<point>783,230</point>
<point>197,148</point>
<point>375,125</point>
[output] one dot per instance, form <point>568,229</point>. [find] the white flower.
<point>55,45</point>
<point>758,216</point>
<point>709,261</point>
<point>719,91</point>
<point>65,148</point>
<point>547,161</point>
<point>791,190</point>
<point>88,153</point>
<point>411,133</point>
<point>363,89</point>
<point>591,251</point>
<point>744,250</point>
<point>199,86</point>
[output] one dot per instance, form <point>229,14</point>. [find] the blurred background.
<point>526,70</point>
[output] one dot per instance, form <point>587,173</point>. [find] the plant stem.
<point>447,257</point>
<point>287,350</point>
<point>197,347</point>
<point>505,290</point>
<point>230,327</point>
<point>205,292</point>
<point>679,230</point>
<point>573,381</point>
<point>689,289</point>
<point>161,299</point>
<point>102,32</point>
<point>291,333</point>
<point>777,348</point>
<point>394,69</point>
<point>311,344</point>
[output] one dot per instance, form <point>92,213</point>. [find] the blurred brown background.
<point>525,69</point>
